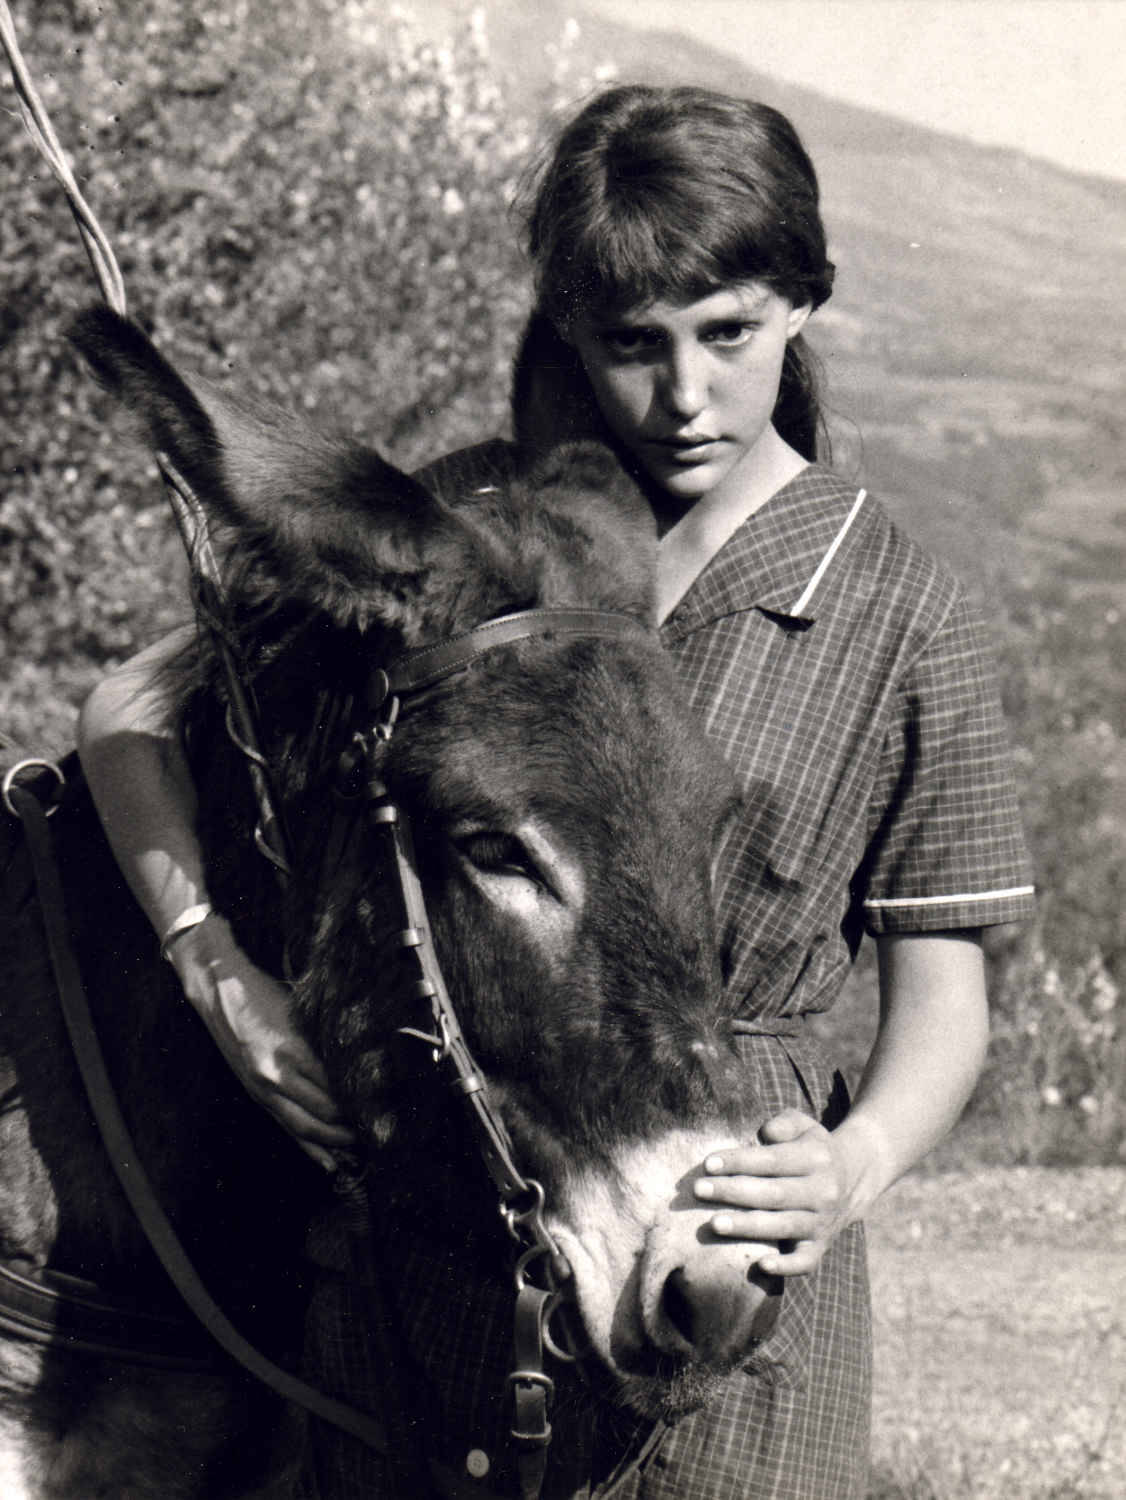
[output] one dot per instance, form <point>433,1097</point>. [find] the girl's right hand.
<point>247,1014</point>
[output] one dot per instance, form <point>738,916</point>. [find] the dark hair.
<point>655,194</point>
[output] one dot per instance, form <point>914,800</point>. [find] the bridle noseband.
<point>426,665</point>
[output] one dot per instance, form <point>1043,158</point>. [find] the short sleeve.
<point>947,848</point>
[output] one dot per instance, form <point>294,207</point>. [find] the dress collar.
<point>776,560</point>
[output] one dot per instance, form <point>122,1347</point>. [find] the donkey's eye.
<point>497,854</point>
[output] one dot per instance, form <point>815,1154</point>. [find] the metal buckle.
<point>32,761</point>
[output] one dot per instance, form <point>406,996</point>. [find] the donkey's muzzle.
<point>714,1315</point>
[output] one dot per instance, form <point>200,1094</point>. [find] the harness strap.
<point>123,1154</point>
<point>532,1389</point>
<point>50,1307</point>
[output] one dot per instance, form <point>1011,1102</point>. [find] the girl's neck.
<point>692,540</point>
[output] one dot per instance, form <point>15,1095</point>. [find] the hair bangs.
<point>652,244</point>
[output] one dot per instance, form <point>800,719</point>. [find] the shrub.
<point>309,202</point>
<point>1051,1093</point>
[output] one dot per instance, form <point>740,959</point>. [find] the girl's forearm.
<point>928,1055</point>
<point>143,791</point>
<point>141,787</point>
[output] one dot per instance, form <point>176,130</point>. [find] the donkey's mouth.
<point>672,1389</point>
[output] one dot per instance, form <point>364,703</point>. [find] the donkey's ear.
<point>335,524</point>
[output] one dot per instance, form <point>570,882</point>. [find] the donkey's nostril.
<point>677,1306</point>
<point>714,1313</point>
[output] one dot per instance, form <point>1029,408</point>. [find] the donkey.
<point>566,816</point>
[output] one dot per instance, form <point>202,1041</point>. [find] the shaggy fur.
<point>335,562</point>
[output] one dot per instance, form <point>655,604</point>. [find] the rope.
<point>39,127</point>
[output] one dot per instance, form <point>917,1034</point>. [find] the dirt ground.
<point>999,1302</point>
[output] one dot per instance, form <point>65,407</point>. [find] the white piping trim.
<point>1014,890</point>
<point>810,588</point>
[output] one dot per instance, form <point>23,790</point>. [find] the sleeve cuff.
<point>944,913</point>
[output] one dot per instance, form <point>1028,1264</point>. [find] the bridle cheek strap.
<point>521,1197</point>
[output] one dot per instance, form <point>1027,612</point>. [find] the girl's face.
<point>689,388</point>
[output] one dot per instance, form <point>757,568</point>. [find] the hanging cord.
<point>35,118</point>
<point>270,836</point>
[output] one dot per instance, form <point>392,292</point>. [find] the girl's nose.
<point>685,383</point>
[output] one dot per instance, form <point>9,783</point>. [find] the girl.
<point>678,253</point>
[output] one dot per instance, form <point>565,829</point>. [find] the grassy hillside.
<point>311,201</point>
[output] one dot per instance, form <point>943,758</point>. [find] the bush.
<point>310,203</point>
<point>1051,1093</point>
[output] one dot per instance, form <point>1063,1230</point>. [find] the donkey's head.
<point>566,816</point>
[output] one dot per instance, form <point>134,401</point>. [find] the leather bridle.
<point>521,1198</point>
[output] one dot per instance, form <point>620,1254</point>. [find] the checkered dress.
<point>838,669</point>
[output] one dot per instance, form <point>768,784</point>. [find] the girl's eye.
<point>627,343</point>
<point>497,854</point>
<point>731,335</point>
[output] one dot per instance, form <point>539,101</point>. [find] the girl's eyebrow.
<point>747,304</point>
<point>725,320</point>
<point>753,302</point>
<point>608,322</point>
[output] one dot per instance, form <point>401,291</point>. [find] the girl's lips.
<point>684,450</point>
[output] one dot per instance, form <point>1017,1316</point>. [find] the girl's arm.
<point>142,788</point>
<point>804,1184</point>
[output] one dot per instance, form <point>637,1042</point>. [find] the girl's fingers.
<point>309,1131</point>
<point>309,1116</point>
<point>310,1097</point>
<point>798,1158</point>
<point>787,1126</point>
<point>796,1225</point>
<point>800,1260</point>
<point>805,1154</point>
<point>324,1159</point>
<point>759,1192</point>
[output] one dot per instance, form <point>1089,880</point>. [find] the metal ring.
<point>531,1377</point>
<point>9,781</point>
<point>567,1356</point>
<point>534,1252</point>
<point>516,1219</point>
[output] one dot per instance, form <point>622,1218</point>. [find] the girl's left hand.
<point>790,1187</point>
